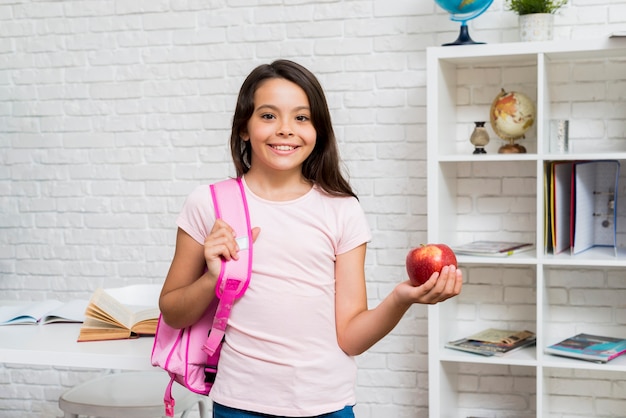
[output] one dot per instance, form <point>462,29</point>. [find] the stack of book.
<point>494,342</point>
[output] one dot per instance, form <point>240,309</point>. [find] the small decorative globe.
<point>511,115</point>
<point>462,11</point>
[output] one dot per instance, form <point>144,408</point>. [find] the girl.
<point>292,338</point>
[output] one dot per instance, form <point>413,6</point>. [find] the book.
<point>560,205</point>
<point>589,347</point>
<point>595,186</point>
<point>121,313</point>
<point>42,312</point>
<point>547,208</point>
<point>493,248</point>
<point>494,342</point>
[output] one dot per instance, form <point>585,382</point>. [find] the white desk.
<point>55,345</point>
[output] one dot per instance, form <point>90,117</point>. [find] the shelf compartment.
<point>582,300</point>
<point>589,93</point>
<point>466,89</point>
<point>492,200</point>
<point>583,393</point>
<point>492,297</point>
<point>488,390</point>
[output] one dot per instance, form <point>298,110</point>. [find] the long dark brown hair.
<point>323,165</point>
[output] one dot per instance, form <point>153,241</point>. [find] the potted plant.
<point>536,17</point>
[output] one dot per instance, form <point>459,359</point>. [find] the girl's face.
<point>280,130</point>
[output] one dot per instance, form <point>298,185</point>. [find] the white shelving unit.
<point>501,197</point>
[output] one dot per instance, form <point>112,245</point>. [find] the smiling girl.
<point>291,341</point>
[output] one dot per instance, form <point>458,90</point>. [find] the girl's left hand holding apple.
<point>439,287</point>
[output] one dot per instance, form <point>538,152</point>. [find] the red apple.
<point>423,261</point>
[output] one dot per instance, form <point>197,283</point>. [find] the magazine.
<point>42,312</point>
<point>493,248</point>
<point>589,347</point>
<point>494,342</point>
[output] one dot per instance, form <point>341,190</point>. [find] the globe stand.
<point>512,148</point>
<point>464,37</point>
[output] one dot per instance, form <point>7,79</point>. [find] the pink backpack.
<point>190,355</point>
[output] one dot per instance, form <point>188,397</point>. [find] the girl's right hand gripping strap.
<point>229,201</point>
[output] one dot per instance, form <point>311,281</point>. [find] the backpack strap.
<point>229,201</point>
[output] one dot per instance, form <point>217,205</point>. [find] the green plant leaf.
<point>525,7</point>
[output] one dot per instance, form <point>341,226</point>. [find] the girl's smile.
<point>283,147</point>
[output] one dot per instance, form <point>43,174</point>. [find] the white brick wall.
<point>112,111</point>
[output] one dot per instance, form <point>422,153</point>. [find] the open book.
<point>42,312</point>
<point>125,312</point>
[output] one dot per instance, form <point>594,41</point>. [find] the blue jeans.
<point>221,411</point>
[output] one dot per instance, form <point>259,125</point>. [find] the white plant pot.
<point>536,27</point>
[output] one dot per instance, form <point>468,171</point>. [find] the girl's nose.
<point>284,130</point>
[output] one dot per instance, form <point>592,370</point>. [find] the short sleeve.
<point>197,215</point>
<point>354,227</point>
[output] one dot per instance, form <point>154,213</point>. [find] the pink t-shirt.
<point>281,355</point>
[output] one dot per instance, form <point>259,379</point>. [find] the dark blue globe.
<point>462,11</point>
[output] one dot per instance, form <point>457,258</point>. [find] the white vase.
<point>536,27</point>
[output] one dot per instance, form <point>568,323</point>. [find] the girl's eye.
<point>267,116</point>
<point>302,118</point>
